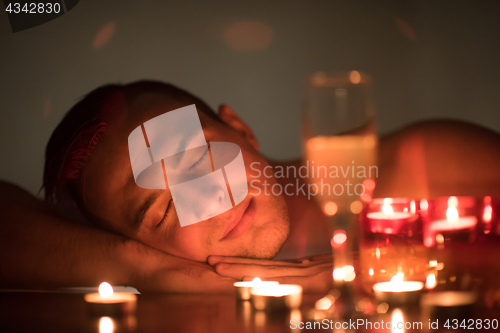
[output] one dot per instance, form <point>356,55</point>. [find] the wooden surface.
<point>67,312</point>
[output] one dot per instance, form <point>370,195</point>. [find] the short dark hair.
<point>76,136</point>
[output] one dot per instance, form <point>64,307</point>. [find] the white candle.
<point>243,287</point>
<point>278,297</point>
<point>392,216</point>
<point>107,302</point>
<point>387,221</point>
<point>397,290</point>
<point>453,222</point>
<point>388,213</point>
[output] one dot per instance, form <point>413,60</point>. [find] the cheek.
<point>189,242</point>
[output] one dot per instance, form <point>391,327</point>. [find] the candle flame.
<point>256,279</point>
<point>105,290</point>
<point>387,209</point>
<point>452,214</point>
<point>397,282</point>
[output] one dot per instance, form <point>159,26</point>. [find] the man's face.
<point>257,227</point>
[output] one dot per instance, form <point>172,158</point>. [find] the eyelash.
<point>165,215</point>
<point>200,160</point>
<point>191,167</point>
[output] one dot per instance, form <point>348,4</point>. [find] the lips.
<point>241,222</point>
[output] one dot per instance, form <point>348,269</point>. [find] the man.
<point>97,224</point>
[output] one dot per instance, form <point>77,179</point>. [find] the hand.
<point>313,273</point>
<point>163,272</point>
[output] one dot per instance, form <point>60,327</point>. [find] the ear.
<point>230,118</point>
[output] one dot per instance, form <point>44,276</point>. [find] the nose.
<point>211,203</point>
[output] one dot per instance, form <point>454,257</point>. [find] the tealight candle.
<point>387,221</point>
<point>398,291</point>
<point>108,303</point>
<point>275,298</point>
<point>243,287</point>
<point>453,222</point>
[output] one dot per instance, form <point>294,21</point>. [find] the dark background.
<point>428,59</point>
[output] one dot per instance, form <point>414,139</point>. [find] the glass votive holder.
<point>451,219</point>
<point>452,224</point>
<point>391,242</point>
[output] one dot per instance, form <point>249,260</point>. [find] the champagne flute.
<point>339,143</point>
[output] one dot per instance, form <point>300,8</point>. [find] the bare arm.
<point>39,249</point>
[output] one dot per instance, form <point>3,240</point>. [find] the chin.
<point>266,240</point>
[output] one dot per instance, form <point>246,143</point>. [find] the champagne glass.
<point>339,143</point>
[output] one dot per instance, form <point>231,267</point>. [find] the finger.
<point>321,257</point>
<point>214,260</point>
<point>238,271</point>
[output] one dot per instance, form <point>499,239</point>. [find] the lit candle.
<point>278,297</point>
<point>453,222</point>
<point>387,221</point>
<point>397,290</point>
<point>243,287</point>
<point>107,302</point>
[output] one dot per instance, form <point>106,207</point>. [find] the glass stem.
<point>343,223</point>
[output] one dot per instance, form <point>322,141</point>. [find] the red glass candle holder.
<point>391,241</point>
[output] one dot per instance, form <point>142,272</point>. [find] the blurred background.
<point>429,59</point>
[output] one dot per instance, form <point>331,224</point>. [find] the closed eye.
<point>165,215</point>
<point>200,160</point>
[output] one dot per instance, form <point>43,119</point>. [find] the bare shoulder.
<point>439,157</point>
